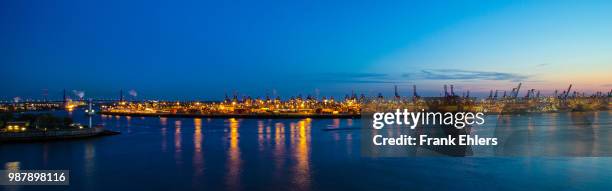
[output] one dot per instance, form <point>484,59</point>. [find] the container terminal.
<point>512,101</point>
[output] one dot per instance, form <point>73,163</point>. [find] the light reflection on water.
<point>15,165</point>
<point>90,165</point>
<point>294,154</point>
<point>197,145</point>
<point>234,161</point>
<point>302,153</point>
<point>177,143</point>
<point>260,135</point>
<point>12,165</point>
<point>279,149</point>
<point>555,134</point>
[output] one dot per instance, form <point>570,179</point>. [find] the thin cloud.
<point>433,74</point>
<point>454,74</point>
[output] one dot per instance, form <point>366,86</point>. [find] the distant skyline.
<point>205,49</point>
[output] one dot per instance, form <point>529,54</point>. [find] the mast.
<point>90,112</point>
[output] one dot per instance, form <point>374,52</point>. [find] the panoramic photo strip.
<point>305,95</point>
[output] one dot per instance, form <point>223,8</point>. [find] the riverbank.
<point>251,116</point>
<point>51,135</point>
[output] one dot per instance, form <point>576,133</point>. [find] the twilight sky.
<point>204,49</point>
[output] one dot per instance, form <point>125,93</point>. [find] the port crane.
<point>518,89</point>
<point>567,92</point>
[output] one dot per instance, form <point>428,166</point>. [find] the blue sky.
<point>204,49</point>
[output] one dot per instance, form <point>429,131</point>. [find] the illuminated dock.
<point>247,107</point>
<point>351,106</point>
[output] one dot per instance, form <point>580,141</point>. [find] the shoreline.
<point>246,116</point>
<point>54,135</point>
<point>295,116</point>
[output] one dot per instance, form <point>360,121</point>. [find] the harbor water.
<point>154,153</point>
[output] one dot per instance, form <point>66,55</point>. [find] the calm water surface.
<point>285,154</point>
